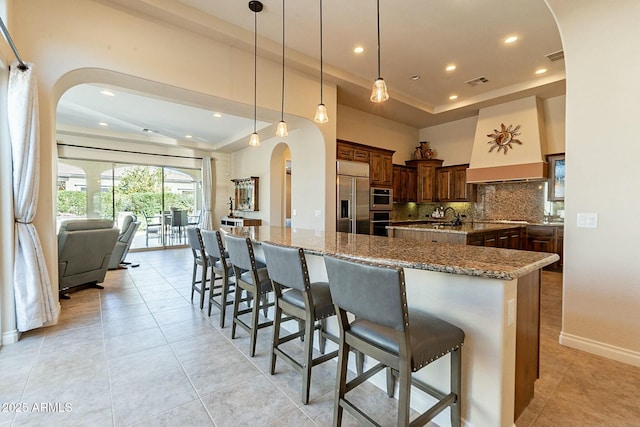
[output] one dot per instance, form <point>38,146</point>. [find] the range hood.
<point>508,143</point>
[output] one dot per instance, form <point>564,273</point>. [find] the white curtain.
<point>205,219</point>
<point>34,299</point>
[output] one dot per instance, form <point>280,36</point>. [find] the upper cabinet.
<point>381,172</point>
<point>379,159</point>
<point>426,176</point>
<point>452,184</point>
<point>405,182</point>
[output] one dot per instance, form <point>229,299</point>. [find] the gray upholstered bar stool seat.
<point>221,269</point>
<point>199,259</point>
<point>300,299</point>
<point>401,340</point>
<point>252,279</point>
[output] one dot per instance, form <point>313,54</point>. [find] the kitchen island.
<point>491,293</point>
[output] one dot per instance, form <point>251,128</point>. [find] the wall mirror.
<point>246,193</point>
<point>556,177</point>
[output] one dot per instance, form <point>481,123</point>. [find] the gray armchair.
<point>84,251</point>
<point>129,227</point>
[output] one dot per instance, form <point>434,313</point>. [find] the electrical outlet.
<point>294,212</point>
<point>587,220</point>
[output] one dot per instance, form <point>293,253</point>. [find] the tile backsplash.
<point>517,201</point>
<point>514,201</point>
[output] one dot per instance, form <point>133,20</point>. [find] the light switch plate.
<point>318,213</point>
<point>587,220</point>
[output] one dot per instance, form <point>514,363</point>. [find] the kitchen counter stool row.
<point>401,341</point>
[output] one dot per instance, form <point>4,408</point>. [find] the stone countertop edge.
<point>488,272</point>
<point>465,228</point>
<point>475,261</point>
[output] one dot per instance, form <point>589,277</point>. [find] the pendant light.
<point>255,7</point>
<point>321,110</point>
<point>282,130</point>
<point>379,92</point>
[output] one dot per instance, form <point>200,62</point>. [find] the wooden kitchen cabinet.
<point>349,151</point>
<point>426,178</point>
<point>404,184</point>
<point>379,159</point>
<point>451,184</point>
<point>546,238</point>
<point>510,238</point>
<point>444,184</point>
<point>381,171</point>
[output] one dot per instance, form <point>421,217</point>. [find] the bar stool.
<point>255,281</point>
<point>199,259</point>
<point>401,340</point>
<point>298,298</point>
<point>221,269</point>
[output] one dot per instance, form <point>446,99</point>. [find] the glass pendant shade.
<point>379,92</point>
<point>321,114</point>
<point>282,130</point>
<point>254,141</point>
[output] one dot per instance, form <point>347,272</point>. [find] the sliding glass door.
<point>165,200</point>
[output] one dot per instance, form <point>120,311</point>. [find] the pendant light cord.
<point>282,106</point>
<point>378,13</point>
<point>255,69</point>
<point>321,73</point>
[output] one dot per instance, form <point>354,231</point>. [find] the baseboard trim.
<point>601,349</point>
<point>10,337</point>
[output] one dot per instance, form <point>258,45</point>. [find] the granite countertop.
<point>429,221</point>
<point>465,228</point>
<point>494,263</point>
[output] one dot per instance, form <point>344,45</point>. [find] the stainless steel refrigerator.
<point>353,197</point>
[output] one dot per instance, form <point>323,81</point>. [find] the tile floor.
<point>139,353</point>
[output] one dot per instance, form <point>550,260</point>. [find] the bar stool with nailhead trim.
<point>403,341</point>
<point>252,277</point>
<point>199,259</point>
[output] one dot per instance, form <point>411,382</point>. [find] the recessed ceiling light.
<point>450,67</point>
<point>541,70</point>
<point>107,92</point>
<point>217,115</point>
<point>511,39</point>
<point>414,78</point>
<point>103,124</point>
<point>358,49</point>
<point>453,97</point>
<point>188,136</point>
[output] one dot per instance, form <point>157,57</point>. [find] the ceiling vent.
<point>555,56</point>
<point>477,81</point>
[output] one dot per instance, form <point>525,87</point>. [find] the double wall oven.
<point>380,204</point>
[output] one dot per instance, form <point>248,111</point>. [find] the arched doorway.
<point>280,185</point>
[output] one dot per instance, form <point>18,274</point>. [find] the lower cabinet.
<point>506,239</point>
<point>546,238</point>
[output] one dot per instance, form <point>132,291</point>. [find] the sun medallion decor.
<point>503,138</point>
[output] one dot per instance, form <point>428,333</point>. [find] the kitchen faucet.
<point>456,216</point>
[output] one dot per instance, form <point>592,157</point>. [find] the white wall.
<point>601,293</point>
<point>452,141</point>
<point>555,124</point>
<point>7,310</point>
<point>364,128</point>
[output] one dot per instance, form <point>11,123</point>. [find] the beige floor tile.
<point>230,407</point>
<point>157,393</point>
<point>189,414</point>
